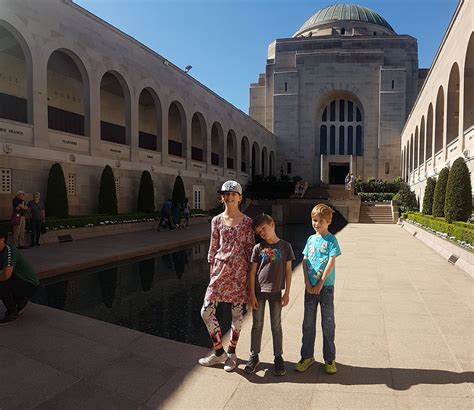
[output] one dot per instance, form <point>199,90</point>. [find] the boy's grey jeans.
<point>274,301</point>
<point>326,299</point>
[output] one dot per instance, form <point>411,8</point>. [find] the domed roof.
<point>344,12</point>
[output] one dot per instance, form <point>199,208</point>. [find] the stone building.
<point>78,91</point>
<point>440,127</point>
<point>337,94</point>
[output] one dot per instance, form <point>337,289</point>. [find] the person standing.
<point>232,241</point>
<point>19,212</point>
<point>186,212</point>
<point>18,281</point>
<point>36,208</point>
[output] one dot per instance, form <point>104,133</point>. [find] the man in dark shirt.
<point>18,281</point>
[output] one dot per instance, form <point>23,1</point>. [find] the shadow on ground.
<point>394,378</point>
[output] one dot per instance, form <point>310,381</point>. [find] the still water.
<point>160,294</point>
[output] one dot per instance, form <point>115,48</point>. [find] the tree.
<point>107,193</point>
<point>458,201</point>
<point>179,194</point>
<point>56,193</point>
<point>406,198</point>
<point>428,197</point>
<point>146,194</point>
<point>440,193</point>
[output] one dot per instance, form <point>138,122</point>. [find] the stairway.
<point>375,214</point>
<point>325,191</point>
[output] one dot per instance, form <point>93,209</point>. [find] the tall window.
<point>344,121</point>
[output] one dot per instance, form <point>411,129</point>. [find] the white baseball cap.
<point>230,186</point>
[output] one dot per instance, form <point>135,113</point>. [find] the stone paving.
<point>404,339</point>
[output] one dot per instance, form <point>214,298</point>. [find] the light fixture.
<point>166,62</point>
<point>187,68</point>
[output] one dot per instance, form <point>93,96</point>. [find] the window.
<point>198,194</point>
<point>393,84</point>
<point>286,86</point>
<point>323,140</point>
<point>342,107</point>
<point>341,140</point>
<point>288,168</point>
<point>332,112</point>
<point>332,140</point>
<point>359,140</point>
<point>71,184</point>
<point>343,31</point>
<point>117,186</point>
<point>387,168</point>
<point>13,108</point>
<point>5,181</point>
<point>112,132</point>
<point>350,140</point>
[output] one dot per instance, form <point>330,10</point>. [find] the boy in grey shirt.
<point>270,273</point>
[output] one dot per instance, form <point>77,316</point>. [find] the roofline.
<point>92,16</point>
<point>435,59</point>
<point>302,30</point>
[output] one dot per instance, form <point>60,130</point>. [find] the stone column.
<point>134,128</point>
<point>188,142</point>
<point>40,103</point>
<point>94,118</point>
<point>164,134</point>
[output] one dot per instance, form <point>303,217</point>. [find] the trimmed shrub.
<point>440,193</point>
<point>107,193</point>
<point>56,193</point>
<point>406,198</point>
<point>377,186</point>
<point>179,194</point>
<point>375,196</point>
<point>440,225</point>
<point>428,197</point>
<point>458,201</point>
<point>146,194</point>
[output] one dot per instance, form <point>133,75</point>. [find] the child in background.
<point>270,273</point>
<point>319,270</point>
<point>232,240</point>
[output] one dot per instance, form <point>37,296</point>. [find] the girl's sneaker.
<point>212,360</point>
<point>231,362</point>
<point>330,367</point>
<point>304,364</point>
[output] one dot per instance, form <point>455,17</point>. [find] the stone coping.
<point>458,256</point>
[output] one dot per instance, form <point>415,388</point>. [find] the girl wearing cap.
<point>232,241</point>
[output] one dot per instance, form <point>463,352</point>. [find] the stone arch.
<point>412,154</point>
<point>149,120</point>
<point>245,155</point>
<point>176,129</point>
<point>439,120</point>
<point>271,163</point>
<point>429,133</point>
<point>68,93</point>
<point>422,140</point>
<point>468,92</point>
<point>114,108</point>
<point>15,62</point>
<point>255,159</point>
<point>231,150</point>
<point>217,145</point>
<point>198,137</point>
<point>340,120</point>
<point>264,162</point>
<point>415,150</point>
<point>452,128</point>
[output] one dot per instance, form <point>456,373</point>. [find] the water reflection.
<point>160,295</point>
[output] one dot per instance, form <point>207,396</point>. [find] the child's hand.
<point>309,289</point>
<point>317,289</point>
<point>253,302</point>
<point>285,299</point>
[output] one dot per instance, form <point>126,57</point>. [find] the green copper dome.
<point>344,12</point>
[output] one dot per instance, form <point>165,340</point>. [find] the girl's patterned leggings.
<point>208,314</point>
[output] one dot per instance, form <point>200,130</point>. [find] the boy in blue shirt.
<point>319,270</point>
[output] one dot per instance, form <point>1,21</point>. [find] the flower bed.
<point>460,232</point>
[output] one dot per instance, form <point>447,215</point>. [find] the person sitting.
<point>18,281</point>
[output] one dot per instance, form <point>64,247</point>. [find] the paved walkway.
<point>404,339</point>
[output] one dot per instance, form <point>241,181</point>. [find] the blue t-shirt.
<point>318,250</point>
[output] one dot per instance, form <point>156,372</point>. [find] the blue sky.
<point>226,41</point>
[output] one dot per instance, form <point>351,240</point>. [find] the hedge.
<point>428,197</point>
<point>107,192</point>
<point>440,192</point>
<point>376,196</point>
<point>56,193</point>
<point>377,186</point>
<point>458,201</point>
<point>146,194</point>
<point>463,234</point>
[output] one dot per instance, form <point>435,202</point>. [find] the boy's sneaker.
<point>279,369</point>
<point>21,305</point>
<point>304,364</point>
<point>330,367</point>
<point>212,360</point>
<point>231,362</point>
<point>252,364</point>
<point>9,317</point>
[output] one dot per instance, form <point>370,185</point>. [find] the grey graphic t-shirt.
<point>271,265</point>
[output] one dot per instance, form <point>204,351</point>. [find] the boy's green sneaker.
<point>304,364</point>
<point>330,367</point>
